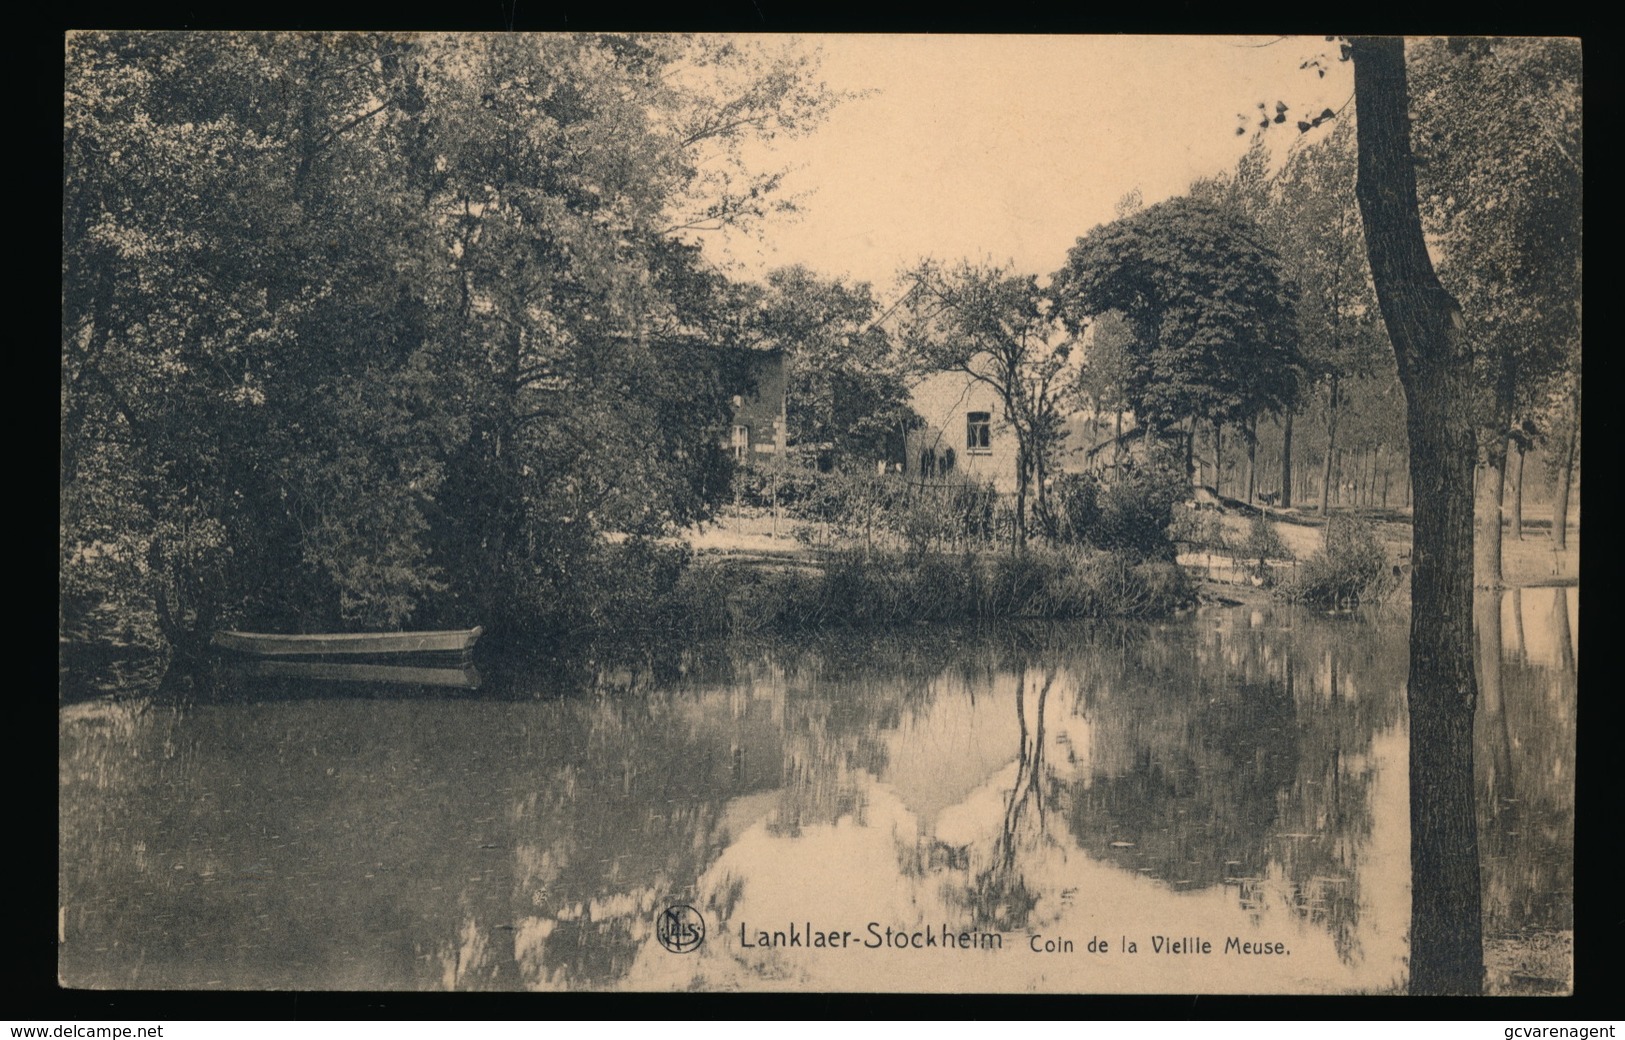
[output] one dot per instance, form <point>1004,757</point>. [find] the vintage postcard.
<point>809,513</point>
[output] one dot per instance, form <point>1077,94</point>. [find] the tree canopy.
<point>1213,321</point>
<point>848,396</point>
<point>365,328</point>
<point>1000,329</point>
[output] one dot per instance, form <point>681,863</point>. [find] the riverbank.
<point>774,592</point>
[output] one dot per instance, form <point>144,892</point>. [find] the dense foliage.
<point>361,330</point>
<point>1213,321</point>
<point>847,396</point>
<point>1351,569</point>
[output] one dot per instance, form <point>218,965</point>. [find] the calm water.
<point>1235,775</point>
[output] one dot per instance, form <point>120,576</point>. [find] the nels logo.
<point>680,929</point>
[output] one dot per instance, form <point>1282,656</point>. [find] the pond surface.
<point>929,810</point>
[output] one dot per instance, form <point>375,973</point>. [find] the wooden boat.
<point>262,644</point>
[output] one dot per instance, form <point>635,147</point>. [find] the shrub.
<point>1130,515</point>
<point>1076,503</point>
<point>1263,543</point>
<point>628,586</point>
<point>1350,570</point>
<point>886,588</point>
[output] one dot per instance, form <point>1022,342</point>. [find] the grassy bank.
<point>852,589</point>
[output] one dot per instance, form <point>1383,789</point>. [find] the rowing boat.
<point>263,644</point>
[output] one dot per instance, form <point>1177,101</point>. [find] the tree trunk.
<point>1252,457</point>
<point>1516,609</point>
<point>1491,484</point>
<point>1328,472</point>
<point>1517,490</point>
<point>1435,369</point>
<point>1286,461</point>
<point>1021,499</point>
<point>1190,452</point>
<point>1117,444</point>
<point>1218,459</point>
<point>1565,473</point>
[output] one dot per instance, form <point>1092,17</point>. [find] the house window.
<point>978,433</point>
<point>739,440</point>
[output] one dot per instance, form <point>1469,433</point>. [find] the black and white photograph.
<point>818,513</point>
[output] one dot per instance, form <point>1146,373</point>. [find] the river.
<point>1003,810</point>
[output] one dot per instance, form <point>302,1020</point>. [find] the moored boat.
<point>265,644</point>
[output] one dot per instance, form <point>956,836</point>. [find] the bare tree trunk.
<point>1436,370</point>
<point>1117,444</point>
<point>1190,451</point>
<point>1218,459</point>
<point>1286,461</point>
<point>1517,490</point>
<point>1328,473</point>
<point>1252,457</point>
<point>1565,474</point>
<point>1491,483</point>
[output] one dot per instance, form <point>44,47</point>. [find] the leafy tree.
<point>999,329</point>
<point>210,289</point>
<point>1322,241</point>
<point>846,385</point>
<point>1436,367</point>
<point>1213,325</point>
<point>362,329</point>
<point>1498,126</point>
<point>1104,374</point>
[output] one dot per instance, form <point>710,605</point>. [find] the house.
<point>964,432</point>
<point>963,436</point>
<point>758,429</point>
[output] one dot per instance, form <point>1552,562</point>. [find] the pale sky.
<point>1007,148</point>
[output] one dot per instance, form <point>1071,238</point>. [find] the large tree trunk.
<point>1286,461</point>
<point>1487,625</point>
<point>1021,499</point>
<point>1435,369</point>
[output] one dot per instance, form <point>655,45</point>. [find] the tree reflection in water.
<point>526,836</point>
<point>998,898</point>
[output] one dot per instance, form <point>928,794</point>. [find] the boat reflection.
<point>465,677</point>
